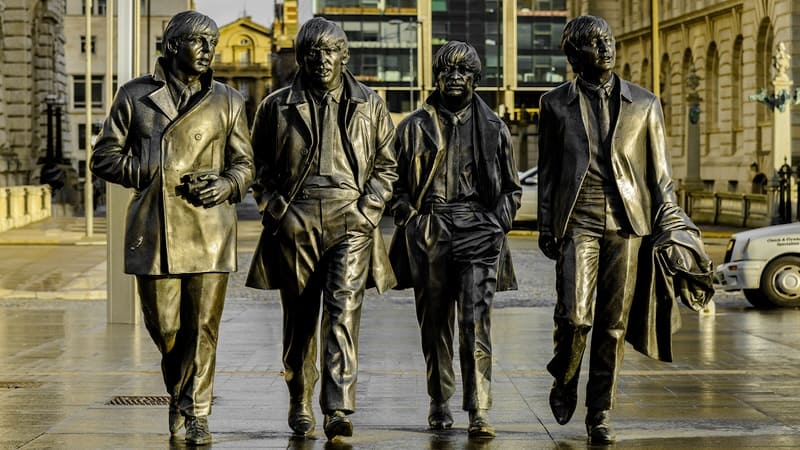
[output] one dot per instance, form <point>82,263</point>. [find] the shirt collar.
<point>462,115</point>
<point>592,88</point>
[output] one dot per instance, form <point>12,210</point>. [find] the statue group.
<point>324,161</point>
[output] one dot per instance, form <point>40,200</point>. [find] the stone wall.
<point>730,43</point>
<point>32,58</point>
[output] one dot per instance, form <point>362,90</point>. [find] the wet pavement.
<point>66,375</point>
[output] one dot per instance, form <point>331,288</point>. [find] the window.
<point>98,8</point>
<point>83,44</point>
<point>79,90</point>
<point>81,136</point>
<point>439,5</point>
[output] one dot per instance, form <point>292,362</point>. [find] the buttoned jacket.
<point>285,142</point>
<point>639,161</point>
<point>420,140</point>
<point>147,145</point>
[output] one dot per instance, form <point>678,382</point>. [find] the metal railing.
<point>727,208</point>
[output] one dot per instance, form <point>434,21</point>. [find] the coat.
<point>146,145</point>
<point>673,265</point>
<point>639,159</point>
<point>419,141</point>
<point>282,138</point>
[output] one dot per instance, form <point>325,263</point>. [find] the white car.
<point>765,264</point>
<point>530,194</point>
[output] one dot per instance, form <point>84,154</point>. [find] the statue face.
<point>324,63</point>
<point>456,83</point>
<point>597,57</point>
<point>195,52</point>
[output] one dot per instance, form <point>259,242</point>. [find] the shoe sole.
<point>203,441</point>
<point>481,434</point>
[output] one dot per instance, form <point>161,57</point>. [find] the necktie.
<point>326,144</point>
<point>453,160</point>
<point>603,115</point>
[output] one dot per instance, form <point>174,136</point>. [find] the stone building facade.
<point>243,60</point>
<point>33,73</point>
<point>729,45</point>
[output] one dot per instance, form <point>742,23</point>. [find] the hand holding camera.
<point>205,188</point>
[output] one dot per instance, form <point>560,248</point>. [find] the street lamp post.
<point>410,72</point>
<point>779,101</point>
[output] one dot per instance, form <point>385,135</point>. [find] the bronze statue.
<point>180,141</point>
<point>604,175</point>
<point>325,167</point>
<point>456,196</point>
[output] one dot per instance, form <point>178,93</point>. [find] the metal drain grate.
<point>19,384</point>
<point>143,400</point>
<point>139,400</point>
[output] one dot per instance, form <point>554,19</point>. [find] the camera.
<point>194,182</point>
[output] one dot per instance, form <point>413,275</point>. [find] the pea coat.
<point>283,137</point>
<point>147,146</point>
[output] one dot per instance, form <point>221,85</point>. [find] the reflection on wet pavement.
<point>734,383</point>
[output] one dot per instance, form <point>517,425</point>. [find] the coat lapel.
<point>162,99</point>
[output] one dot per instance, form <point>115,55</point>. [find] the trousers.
<point>454,252</point>
<point>326,246</point>
<point>182,315</point>
<point>596,278</point>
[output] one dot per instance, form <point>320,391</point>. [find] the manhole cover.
<point>19,384</point>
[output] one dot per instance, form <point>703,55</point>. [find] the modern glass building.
<point>392,43</point>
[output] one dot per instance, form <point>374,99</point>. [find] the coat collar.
<point>354,91</point>
<point>624,90</point>
<point>484,119</point>
<point>162,98</point>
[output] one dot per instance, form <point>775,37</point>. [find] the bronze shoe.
<point>337,424</point>
<point>176,421</point>
<point>197,431</point>
<point>479,427</point>
<point>301,418</point>
<point>439,416</point>
<point>563,400</point>
<point>598,427</point>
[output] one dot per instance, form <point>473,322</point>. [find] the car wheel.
<point>780,281</point>
<point>757,298</point>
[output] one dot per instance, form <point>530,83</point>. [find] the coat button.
<point>198,136</point>
<point>304,151</point>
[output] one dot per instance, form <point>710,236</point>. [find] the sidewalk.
<point>70,380</point>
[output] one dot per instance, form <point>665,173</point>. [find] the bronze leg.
<point>429,244</point>
<point>346,268</point>
<point>182,315</point>
<point>617,275</point>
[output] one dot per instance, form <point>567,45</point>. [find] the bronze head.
<point>189,40</point>
<point>322,53</point>
<point>589,45</point>
<point>457,68</point>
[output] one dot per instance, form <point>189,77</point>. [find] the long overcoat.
<point>146,145</point>
<point>419,141</point>
<point>283,143</point>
